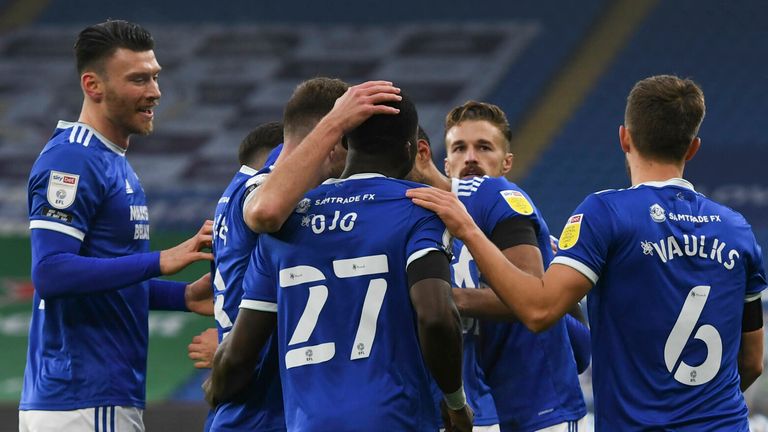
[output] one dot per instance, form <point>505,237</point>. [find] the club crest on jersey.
<point>657,213</point>
<point>571,232</point>
<point>303,206</point>
<point>517,201</point>
<point>62,189</point>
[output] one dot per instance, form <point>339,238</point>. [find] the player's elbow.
<point>750,368</point>
<point>538,320</point>
<point>264,217</point>
<point>44,280</point>
<point>438,320</point>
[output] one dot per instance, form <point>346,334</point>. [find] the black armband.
<point>752,319</point>
<point>514,231</point>
<point>434,264</point>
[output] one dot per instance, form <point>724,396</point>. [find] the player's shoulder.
<point>79,144</point>
<point>727,214</point>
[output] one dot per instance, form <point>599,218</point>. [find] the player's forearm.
<point>299,172</point>
<point>750,357</point>
<point>523,293</point>
<point>578,334</point>
<point>230,374</point>
<point>482,303</point>
<point>68,274</point>
<point>441,345</point>
<point>167,295</point>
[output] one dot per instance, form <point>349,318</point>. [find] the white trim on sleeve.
<point>418,254</point>
<point>578,266</point>
<point>258,305</point>
<point>55,226</point>
<point>753,297</point>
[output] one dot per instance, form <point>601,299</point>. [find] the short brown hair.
<point>311,100</point>
<point>663,116</point>
<point>473,110</point>
<point>98,42</point>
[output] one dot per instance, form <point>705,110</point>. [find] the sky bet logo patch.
<point>571,232</point>
<point>62,189</point>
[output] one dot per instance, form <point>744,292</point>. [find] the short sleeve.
<point>66,188</point>
<point>496,201</point>
<point>259,285</point>
<point>428,233</point>
<point>586,238</point>
<point>756,281</point>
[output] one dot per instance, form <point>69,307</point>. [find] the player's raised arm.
<point>279,194</point>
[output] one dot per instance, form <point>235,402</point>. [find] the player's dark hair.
<point>98,42</point>
<point>311,100</point>
<point>259,142</point>
<point>663,116</point>
<point>423,136</point>
<point>474,110</point>
<point>383,133</point>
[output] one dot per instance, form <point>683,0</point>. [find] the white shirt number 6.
<point>681,332</point>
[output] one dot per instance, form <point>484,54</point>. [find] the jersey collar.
<point>107,143</point>
<point>354,177</point>
<point>679,182</point>
<point>248,170</point>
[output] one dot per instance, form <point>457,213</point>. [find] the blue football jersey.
<point>671,272</point>
<point>261,407</point>
<point>88,350</point>
<point>532,377</point>
<point>335,274</point>
<point>273,155</point>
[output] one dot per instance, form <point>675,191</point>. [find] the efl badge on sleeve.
<point>62,189</point>
<point>570,234</point>
<point>517,201</point>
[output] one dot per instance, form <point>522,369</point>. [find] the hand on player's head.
<point>363,101</point>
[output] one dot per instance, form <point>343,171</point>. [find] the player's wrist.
<point>455,400</point>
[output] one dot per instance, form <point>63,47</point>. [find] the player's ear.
<point>423,151</point>
<point>92,86</point>
<point>506,163</point>
<point>446,168</point>
<point>693,148</point>
<point>624,139</point>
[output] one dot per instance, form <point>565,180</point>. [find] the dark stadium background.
<point>560,69</point>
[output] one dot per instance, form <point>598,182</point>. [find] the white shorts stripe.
<point>96,419</point>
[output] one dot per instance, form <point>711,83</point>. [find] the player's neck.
<point>359,164</point>
<point>644,171</point>
<point>437,180</point>
<point>103,126</point>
